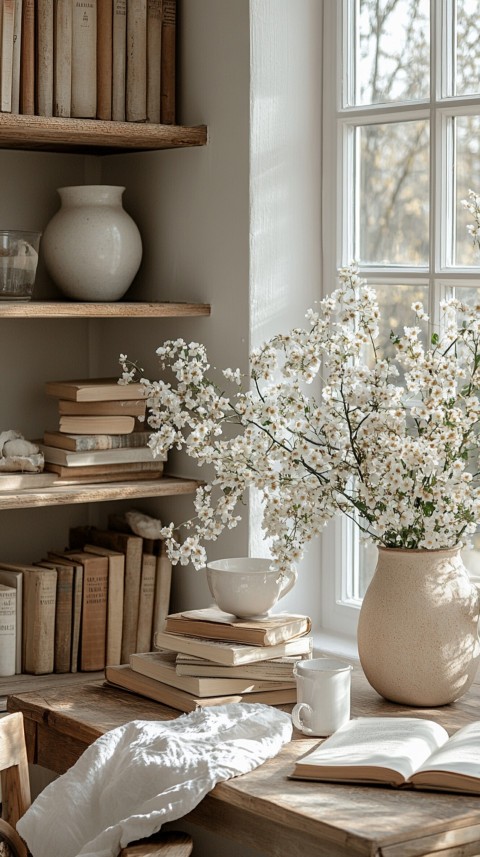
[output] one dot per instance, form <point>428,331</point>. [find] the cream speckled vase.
<point>91,246</point>
<point>418,627</point>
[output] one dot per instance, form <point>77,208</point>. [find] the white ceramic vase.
<point>418,627</point>
<point>92,247</point>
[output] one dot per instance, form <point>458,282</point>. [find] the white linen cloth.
<point>135,778</point>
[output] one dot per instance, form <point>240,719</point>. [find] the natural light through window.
<point>401,150</point>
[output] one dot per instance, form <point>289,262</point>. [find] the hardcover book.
<point>63,615</point>
<point>116,582</point>
<point>62,66</point>
<point>216,625</point>
<point>14,579</point>
<point>231,653</point>
<point>87,442</point>
<point>161,666</point>
<point>136,88</point>
<point>131,547</point>
<point>77,424</point>
<point>84,59</point>
<point>146,603</point>
<point>109,408</point>
<point>152,468</point>
<point>95,390</point>
<point>104,59</point>
<point>93,634</point>
<point>8,619</point>
<point>57,455</point>
<point>275,669</point>
<point>77,599</point>
<point>397,751</point>
<point>123,676</point>
<point>39,602</point>
<point>119,56</point>
<point>44,54</point>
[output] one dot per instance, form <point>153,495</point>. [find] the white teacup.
<point>323,696</point>
<point>247,587</point>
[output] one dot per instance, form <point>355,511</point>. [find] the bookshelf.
<point>91,137</point>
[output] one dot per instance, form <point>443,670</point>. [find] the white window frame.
<point>339,608</point>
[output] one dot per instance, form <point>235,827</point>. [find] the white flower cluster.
<point>401,461</point>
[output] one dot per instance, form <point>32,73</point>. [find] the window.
<point>401,148</point>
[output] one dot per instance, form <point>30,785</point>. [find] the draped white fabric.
<point>137,777</point>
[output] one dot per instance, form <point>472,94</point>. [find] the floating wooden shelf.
<point>63,495</point>
<point>94,136</point>
<point>125,309</point>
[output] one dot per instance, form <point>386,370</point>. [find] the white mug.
<point>323,696</point>
<point>246,586</point>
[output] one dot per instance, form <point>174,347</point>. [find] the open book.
<point>397,751</point>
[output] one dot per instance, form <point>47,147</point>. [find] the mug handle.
<point>297,718</point>
<point>290,578</point>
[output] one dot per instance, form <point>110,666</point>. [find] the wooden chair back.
<point>16,799</point>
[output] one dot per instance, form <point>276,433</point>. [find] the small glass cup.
<point>18,263</point>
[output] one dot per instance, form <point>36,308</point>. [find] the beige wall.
<point>236,223</point>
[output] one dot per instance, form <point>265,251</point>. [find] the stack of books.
<point>207,657</point>
<point>100,435</point>
<point>99,59</point>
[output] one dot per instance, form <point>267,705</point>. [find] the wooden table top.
<point>265,809</point>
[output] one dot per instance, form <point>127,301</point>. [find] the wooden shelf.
<point>63,495</point>
<point>124,309</point>
<point>94,136</point>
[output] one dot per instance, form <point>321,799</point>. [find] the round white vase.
<point>91,246</point>
<point>418,627</point>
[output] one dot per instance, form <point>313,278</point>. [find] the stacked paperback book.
<point>101,435</point>
<point>207,657</point>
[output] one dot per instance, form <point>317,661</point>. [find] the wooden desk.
<point>264,809</point>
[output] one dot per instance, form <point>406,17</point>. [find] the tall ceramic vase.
<point>92,247</point>
<point>418,627</point>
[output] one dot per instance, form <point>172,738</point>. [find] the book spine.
<point>63,619</point>
<point>62,85</point>
<point>8,610</point>
<point>84,59</point>
<point>17,44</point>
<point>136,86</point>
<point>119,59</point>
<point>39,592</point>
<point>45,57</point>
<point>133,570</point>
<point>116,580</point>
<point>8,26</point>
<point>163,583</point>
<point>77,600</point>
<point>154,53</point>
<point>145,604</point>
<point>104,59</point>
<point>168,61</point>
<point>94,616</point>
<point>27,61</point>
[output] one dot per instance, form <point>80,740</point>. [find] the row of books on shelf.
<point>94,603</point>
<point>101,432</point>
<point>207,657</point>
<point>99,59</point>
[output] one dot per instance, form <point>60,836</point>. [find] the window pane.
<point>393,209</point>
<point>467,71</point>
<point>367,560</point>
<point>393,55</point>
<point>395,302</point>
<point>467,174</point>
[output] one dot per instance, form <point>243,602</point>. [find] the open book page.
<point>373,749</point>
<point>456,765</point>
